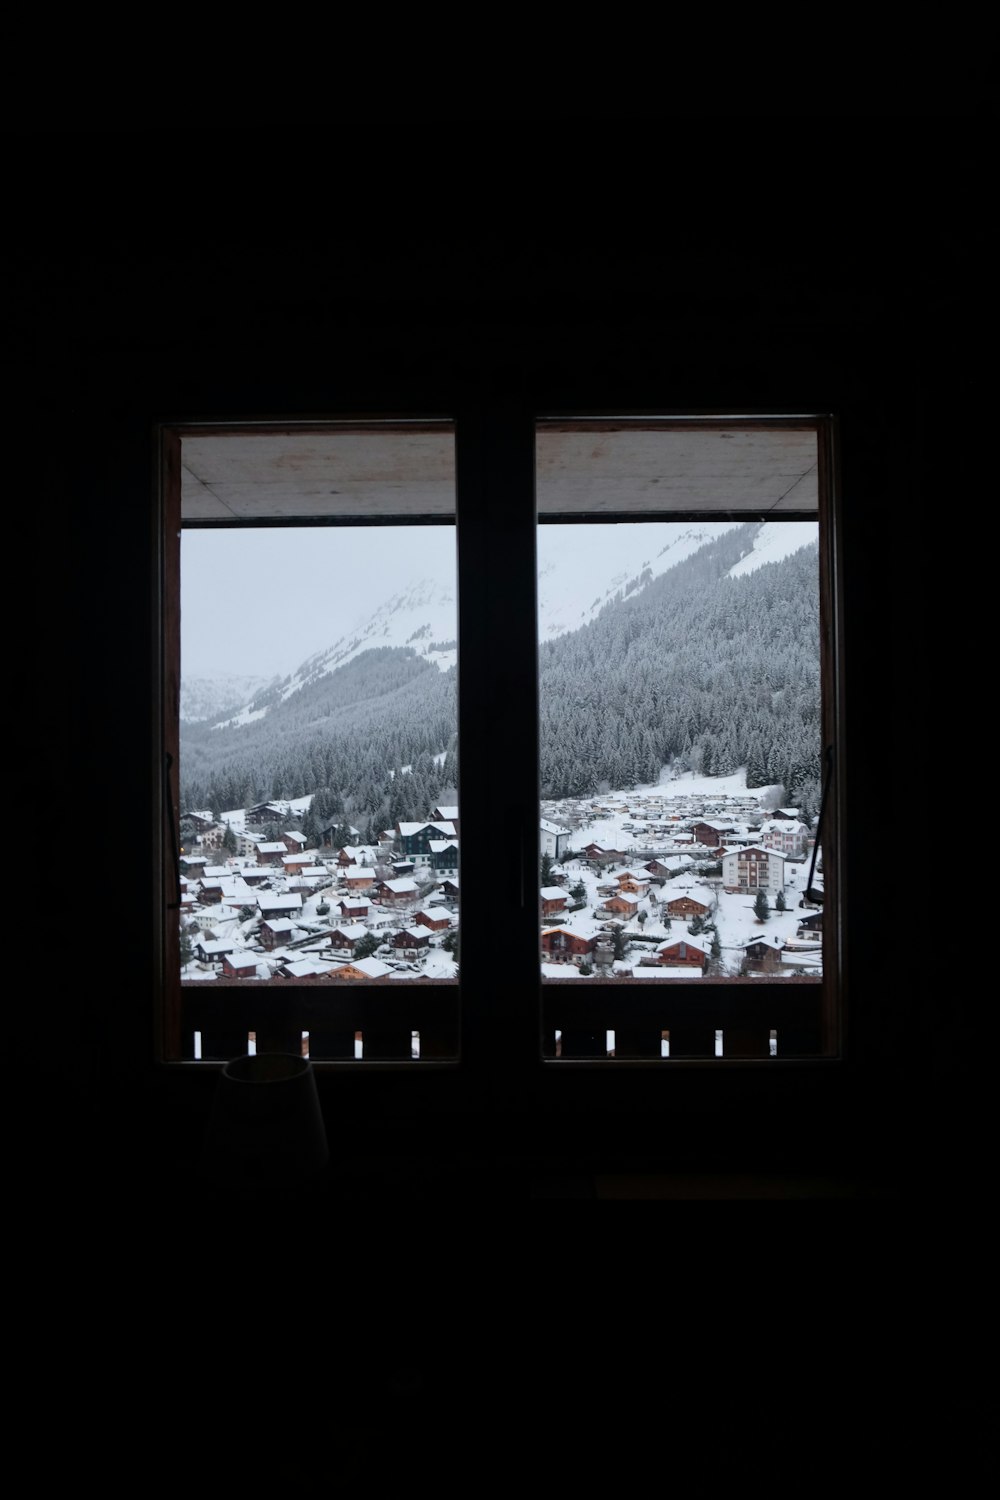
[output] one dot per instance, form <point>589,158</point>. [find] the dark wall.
<point>173,273</point>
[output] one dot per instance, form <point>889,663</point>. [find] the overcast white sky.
<point>259,601</point>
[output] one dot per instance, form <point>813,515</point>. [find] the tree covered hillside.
<point>695,668</point>
<point>348,734</point>
<point>704,670</point>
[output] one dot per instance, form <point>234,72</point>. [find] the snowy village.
<point>694,877</point>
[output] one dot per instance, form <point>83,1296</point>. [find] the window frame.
<point>503,1058</point>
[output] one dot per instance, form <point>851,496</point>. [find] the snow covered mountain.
<point>209,697</point>
<point>581,570</point>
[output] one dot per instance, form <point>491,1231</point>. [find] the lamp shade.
<point>266,1132</point>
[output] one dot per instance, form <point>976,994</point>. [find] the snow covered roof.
<point>548,827</point>
<point>306,968</point>
<point>373,967</point>
<point>400,887</point>
<point>437,845</point>
<point>553,893</point>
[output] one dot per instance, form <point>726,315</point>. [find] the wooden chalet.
<point>344,937</point>
<point>271,853</point>
<point>553,899</point>
<point>435,921</point>
<point>353,908</point>
<point>213,949</point>
<point>396,892</point>
<point>623,903</point>
<point>276,931</point>
<point>411,938</point>
<point>240,965</point>
<point>763,954</point>
<point>687,906</point>
<point>682,953</point>
<point>711,835</point>
<point>559,945</point>
<point>273,906</point>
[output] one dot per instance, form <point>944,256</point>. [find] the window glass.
<point>316,752</point>
<point>681,713</point>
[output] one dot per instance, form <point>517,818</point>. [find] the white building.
<point>753,869</point>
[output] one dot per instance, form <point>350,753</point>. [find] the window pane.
<point>317,745</point>
<point>681,716</point>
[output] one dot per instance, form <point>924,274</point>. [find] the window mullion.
<point>498,741</point>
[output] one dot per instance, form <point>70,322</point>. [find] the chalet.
<point>344,937</point>
<point>632,880</point>
<point>266,812</point>
<point>361,968</point>
<point>240,965</point>
<point>402,868</point>
<point>763,955</point>
<point>271,905</point>
<point>210,892</point>
<point>411,938</point>
<point>293,864</point>
<point>254,874</point>
<point>449,889</point>
<point>307,968</point>
<point>685,904</point>
<point>270,853</point>
<point>212,950</point>
<point>753,869</point>
<point>810,926</point>
<point>787,835</point>
<point>711,835</point>
<point>415,838</point>
<point>659,869</point>
<point>553,899</point>
<point>623,903</point>
<point>446,815</point>
<point>201,822</point>
<point>357,854</point>
<point>353,908</point>
<point>193,864</point>
<point>682,953</point>
<point>396,892</point>
<point>294,840</point>
<point>358,878</point>
<point>435,921</point>
<point>559,945</point>
<point>275,931</point>
<point>444,856</point>
<point>554,838</point>
<point>601,856</point>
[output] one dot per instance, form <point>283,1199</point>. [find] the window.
<point>501,1021</point>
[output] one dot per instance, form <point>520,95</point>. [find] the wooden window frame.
<point>504,1062</point>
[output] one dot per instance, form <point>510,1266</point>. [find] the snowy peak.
<point>422,616</point>
<point>582,569</point>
